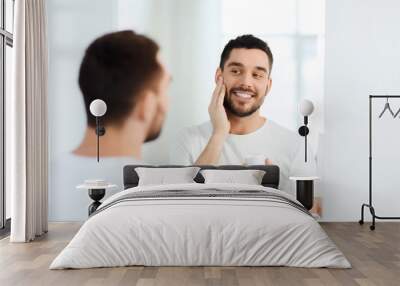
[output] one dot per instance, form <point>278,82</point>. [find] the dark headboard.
<point>270,179</point>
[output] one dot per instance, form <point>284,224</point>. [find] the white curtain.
<point>27,123</point>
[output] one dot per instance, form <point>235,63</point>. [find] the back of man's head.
<point>116,68</point>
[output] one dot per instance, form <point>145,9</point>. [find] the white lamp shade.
<point>306,107</point>
<point>98,107</point>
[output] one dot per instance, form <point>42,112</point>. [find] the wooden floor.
<point>374,255</point>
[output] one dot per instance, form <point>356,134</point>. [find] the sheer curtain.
<point>27,123</point>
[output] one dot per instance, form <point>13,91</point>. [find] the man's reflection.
<point>236,130</point>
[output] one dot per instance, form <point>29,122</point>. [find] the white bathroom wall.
<point>362,58</point>
<point>72,25</point>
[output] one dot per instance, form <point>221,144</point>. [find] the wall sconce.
<point>306,107</point>
<point>98,108</point>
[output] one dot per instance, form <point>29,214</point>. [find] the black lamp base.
<point>305,193</point>
<point>96,195</point>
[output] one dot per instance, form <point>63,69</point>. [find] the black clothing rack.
<point>370,205</point>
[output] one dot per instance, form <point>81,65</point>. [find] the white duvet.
<point>200,231</point>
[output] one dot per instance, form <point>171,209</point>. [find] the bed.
<point>201,224</point>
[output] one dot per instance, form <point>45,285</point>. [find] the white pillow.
<point>248,177</point>
<point>163,176</point>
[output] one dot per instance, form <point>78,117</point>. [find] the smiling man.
<point>236,132</point>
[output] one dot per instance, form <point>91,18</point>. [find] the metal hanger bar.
<point>384,96</point>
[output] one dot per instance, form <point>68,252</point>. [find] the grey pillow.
<point>162,176</point>
<point>248,177</point>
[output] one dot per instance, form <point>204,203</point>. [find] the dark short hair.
<point>246,42</point>
<point>116,67</point>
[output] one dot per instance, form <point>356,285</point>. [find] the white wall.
<point>72,25</point>
<point>362,58</point>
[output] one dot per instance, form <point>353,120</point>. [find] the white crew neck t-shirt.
<point>66,202</point>
<point>283,147</point>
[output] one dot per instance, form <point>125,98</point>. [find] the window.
<point>294,30</point>
<point>6,44</point>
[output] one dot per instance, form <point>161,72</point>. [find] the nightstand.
<point>305,190</point>
<point>96,193</point>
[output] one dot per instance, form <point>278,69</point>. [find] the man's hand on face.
<point>216,110</point>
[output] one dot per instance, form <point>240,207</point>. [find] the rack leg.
<point>361,221</point>
<point>372,210</point>
<point>374,216</point>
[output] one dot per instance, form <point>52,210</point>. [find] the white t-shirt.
<point>66,202</point>
<point>283,147</point>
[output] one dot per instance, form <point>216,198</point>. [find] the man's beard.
<point>154,131</point>
<point>152,136</point>
<point>229,107</point>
